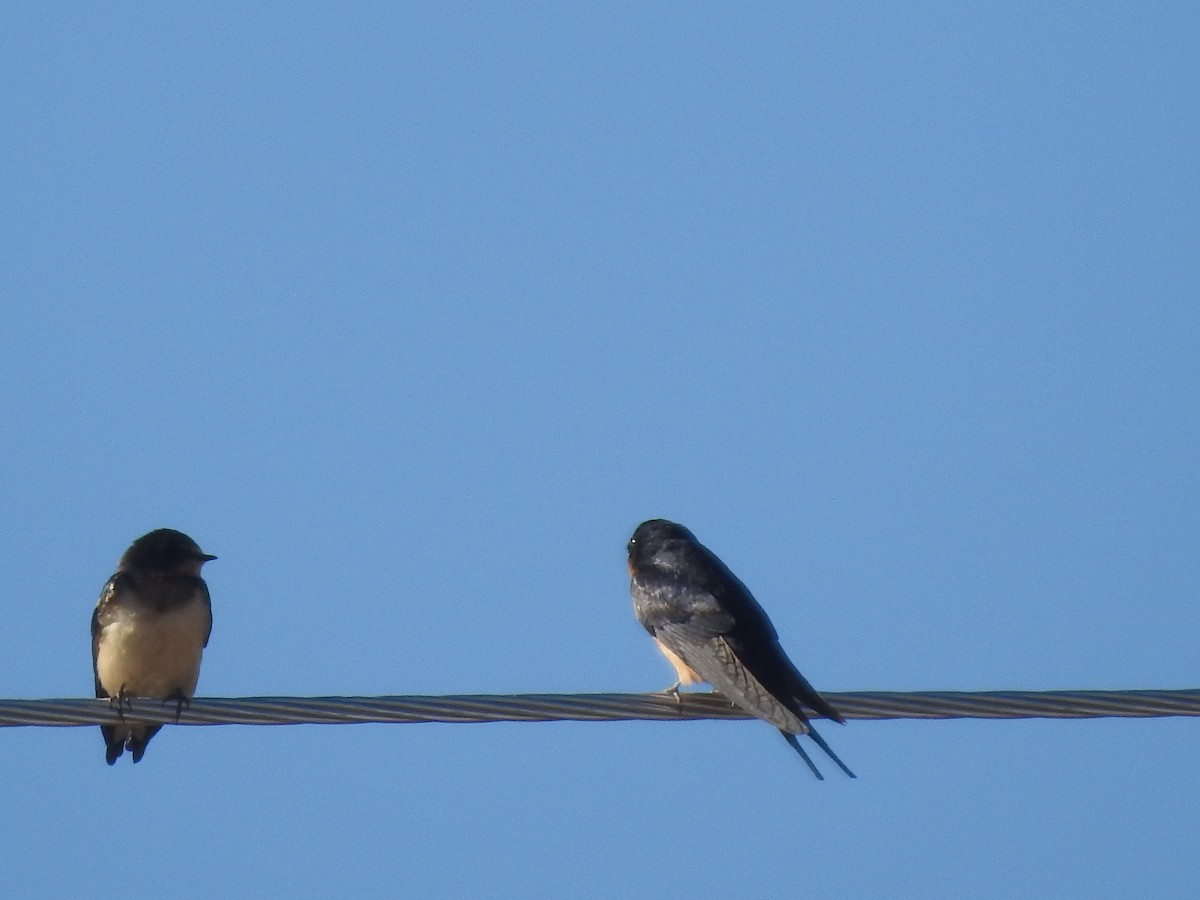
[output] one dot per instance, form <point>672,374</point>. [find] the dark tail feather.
<point>807,695</point>
<point>114,746</point>
<point>795,742</point>
<point>812,732</point>
<point>138,745</point>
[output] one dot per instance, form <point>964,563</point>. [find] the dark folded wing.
<point>99,615</point>
<point>717,663</point>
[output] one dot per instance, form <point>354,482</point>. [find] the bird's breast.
<point>148,653</point>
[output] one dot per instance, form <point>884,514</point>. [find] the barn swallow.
<point>149,629</point>
<point>710,628</point>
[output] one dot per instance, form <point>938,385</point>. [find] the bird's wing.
<point>768,661</point>
<point>718,663</point>
<point>754,641</point>
<point>207,603</point>
<point>99,614</point>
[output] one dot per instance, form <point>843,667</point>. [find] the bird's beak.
<point>206,557</point>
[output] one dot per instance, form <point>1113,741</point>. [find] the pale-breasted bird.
<point>149,630</point>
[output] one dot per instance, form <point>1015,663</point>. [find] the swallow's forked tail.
<point>119,738</point>
<point>794,740</point>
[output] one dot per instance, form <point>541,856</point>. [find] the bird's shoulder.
<point>155,593</point>
<point>712,592</point>
<point>110,596</point>
<point>680,587</point>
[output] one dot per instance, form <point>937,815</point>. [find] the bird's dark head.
<point>166,551</point>
<point>650,537</point>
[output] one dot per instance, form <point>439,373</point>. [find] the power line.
<point>599,707</point>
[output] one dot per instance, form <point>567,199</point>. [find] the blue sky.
<point>410,313</point>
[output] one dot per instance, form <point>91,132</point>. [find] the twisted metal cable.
<point>598,707</point>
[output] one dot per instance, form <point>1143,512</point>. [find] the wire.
<point>598,707</point>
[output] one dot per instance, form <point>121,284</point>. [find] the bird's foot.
<point>673,691</point>
<point>121,702</point>
<point>180,700</point>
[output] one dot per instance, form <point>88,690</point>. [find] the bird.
<point>149,630</point>
<point>711,629</point>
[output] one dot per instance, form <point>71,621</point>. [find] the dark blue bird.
<point>710,628</point>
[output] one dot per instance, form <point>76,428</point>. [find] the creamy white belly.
<point>152,654</point>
